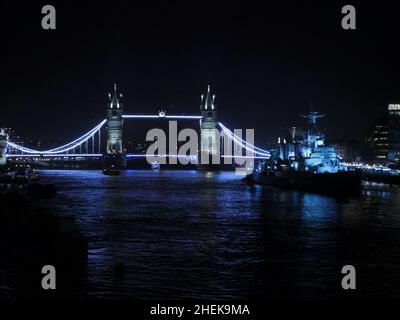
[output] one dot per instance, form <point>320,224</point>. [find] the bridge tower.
<point>3,147</point>
<point>114,123</point>
<point>209,142</point>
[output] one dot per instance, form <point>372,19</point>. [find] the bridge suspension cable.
<point>84,139</point>
<point>248,146</point>
<point>157,116</point>
<point>64,148</point>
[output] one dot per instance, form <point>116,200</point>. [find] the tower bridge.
<point>89,145</point>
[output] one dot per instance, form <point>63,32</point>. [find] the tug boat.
<point>112,170</point>
<point>306,164</point>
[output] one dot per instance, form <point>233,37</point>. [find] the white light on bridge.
<point>156,116</point>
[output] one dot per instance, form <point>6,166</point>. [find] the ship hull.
<point>339,183</point>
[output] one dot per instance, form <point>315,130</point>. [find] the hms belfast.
<point>307,164</point>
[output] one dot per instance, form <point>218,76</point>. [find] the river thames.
<point>190,234</point>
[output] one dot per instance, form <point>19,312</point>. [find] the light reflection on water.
<point>182,234</point>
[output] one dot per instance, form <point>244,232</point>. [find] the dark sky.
<point>265,62</point>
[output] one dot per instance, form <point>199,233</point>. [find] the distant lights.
<point>40,156</point>
<point>155,116</point>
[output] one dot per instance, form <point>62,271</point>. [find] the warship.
<point>305,163</point>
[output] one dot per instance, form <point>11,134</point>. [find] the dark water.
<point>189,234</point>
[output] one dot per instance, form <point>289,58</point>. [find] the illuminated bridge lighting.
<point>249,144</point>
<point>81,139</point>
<point>245,144</point>
<point>161,156</point>
<point>157,116</point>
<point>246,157</point>
<point>53,155</point>
<point>61,149</point>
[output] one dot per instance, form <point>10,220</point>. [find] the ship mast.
<point>314,136</point>
<point>312,119</point>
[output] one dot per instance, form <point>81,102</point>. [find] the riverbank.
<point>31,237</point>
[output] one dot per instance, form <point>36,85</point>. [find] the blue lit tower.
<point>114,123</point>
<point>209,142</point>
<point>3,147</point>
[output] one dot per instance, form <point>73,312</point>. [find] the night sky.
<point>266,63</point>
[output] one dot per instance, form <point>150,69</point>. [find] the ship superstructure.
<point>303,162</point>
<point>309,152</point>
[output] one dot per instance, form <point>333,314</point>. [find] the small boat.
<point>155,166</point>
<point>32,174</point>
<point>21,174</point>
<point>112,170</point>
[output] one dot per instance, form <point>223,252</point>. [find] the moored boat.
<point>155,166</point>
<point>111,170</point>
<point>306,164</point>
<point>21,176</point>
